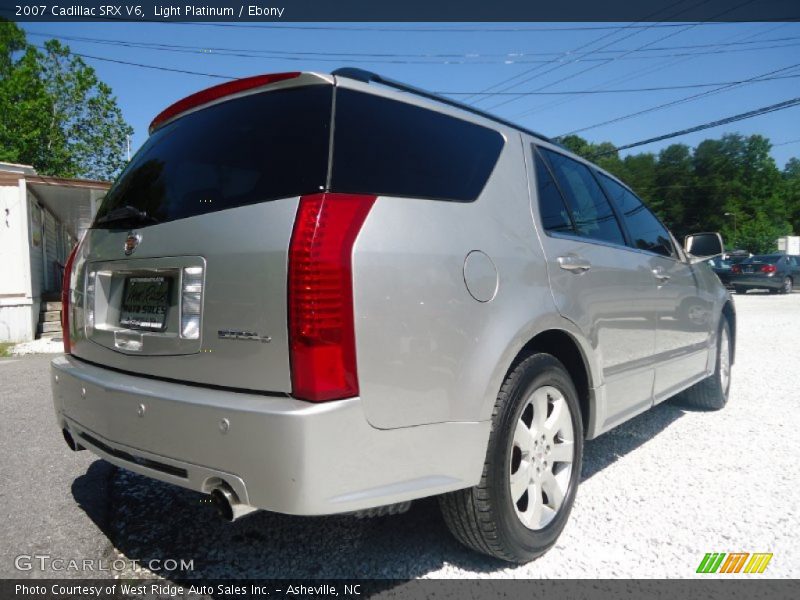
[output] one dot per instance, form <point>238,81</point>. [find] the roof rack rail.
<point>370,77</point>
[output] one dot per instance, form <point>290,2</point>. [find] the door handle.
<point>573,263</point>
<point>659,274</point>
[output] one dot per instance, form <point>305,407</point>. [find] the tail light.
<point>736,269</point>
<point>321,325</point>
<point>65,300</point>
<point>768,269</point>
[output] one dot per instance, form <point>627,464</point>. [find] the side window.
<point>592,214</point>
<point>391,148</point>
<point>552,209</point>
<point>646,230</point>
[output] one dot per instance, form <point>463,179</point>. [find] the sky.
<point>461,58</point>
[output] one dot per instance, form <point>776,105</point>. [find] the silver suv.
<point>318,294</point>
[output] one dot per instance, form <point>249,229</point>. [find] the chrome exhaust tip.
<point>228,505</point>
<point>73,445</point>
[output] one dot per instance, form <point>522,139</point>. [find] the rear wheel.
<point>712,392</point>
<point>787,285</point>
<point>532,467</point>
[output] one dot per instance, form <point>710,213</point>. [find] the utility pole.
<point>735,235</point>
<point>128,142</point>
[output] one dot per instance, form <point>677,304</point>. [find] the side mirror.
<point>704,245</point>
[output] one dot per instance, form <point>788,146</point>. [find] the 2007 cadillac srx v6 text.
<point>318,294</point>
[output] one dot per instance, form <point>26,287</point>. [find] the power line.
<point>447,93</point>
<point>596,66</point>
<point>691,98</point>
<point>786,143</point>
<point>453,93</point>
<point>626,90</point>
<point>535,75</point>
<point>724,121</point>
<point>533,71</point>
<point>647,71</point>
<point>512,55</point>
<point>333,57</point>
<point>144,66</point>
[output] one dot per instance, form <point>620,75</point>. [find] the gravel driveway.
<point>657,494</point>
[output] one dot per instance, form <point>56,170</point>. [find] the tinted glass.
<point>551,205</point>
<point>251,149</point>
<point>646,230</point>
<point>771,259</point>
<point>392,148</point>
<point>591,212</point>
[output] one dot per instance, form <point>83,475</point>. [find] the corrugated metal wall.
<point>36,244</point>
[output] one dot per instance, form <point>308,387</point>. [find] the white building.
<point>41,218</point>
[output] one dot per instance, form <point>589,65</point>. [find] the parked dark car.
<point>773,272</point>
<point>722,265</point>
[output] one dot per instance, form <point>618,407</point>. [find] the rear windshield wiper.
<point>126,212</point>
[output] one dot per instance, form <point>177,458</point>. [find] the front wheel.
<point>532,468</point>
<point>712,392</point>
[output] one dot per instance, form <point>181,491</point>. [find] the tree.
<point>674,187</point>
<point>55,113</point>
<point>791,179</point>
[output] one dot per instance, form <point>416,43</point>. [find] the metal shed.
<point>41,218</point>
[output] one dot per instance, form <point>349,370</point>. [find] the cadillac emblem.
<point>131,242</point>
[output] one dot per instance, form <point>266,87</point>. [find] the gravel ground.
<point>657,493</point>
<point>40,346</point>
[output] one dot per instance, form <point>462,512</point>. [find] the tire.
<point>712,392</point>
<point>739,289</point>
<point>487,518</point>
<point>787,285</point>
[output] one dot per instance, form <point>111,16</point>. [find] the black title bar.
<point>292,11</point>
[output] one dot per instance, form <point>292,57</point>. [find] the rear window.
<point>276,145</point>
<point>253,149</point>
<point>391,148</point>
<point>766,258</point>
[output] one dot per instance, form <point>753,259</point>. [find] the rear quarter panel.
<point>427,350</point>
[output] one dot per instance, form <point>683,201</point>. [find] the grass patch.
<point>5,349</point>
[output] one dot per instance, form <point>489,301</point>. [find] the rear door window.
<point>242,151</point>
<point>552,209</point>
<point>591,212</point>
<point>645,229</point>
<point>391,148</point>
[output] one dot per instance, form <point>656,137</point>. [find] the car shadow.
<point>151,520</point>
<point>92,492</point>
<point>611,447</point>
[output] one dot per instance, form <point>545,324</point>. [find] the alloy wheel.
<point>542,456</point>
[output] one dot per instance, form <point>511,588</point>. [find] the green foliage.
<point>731,185</point>
<point>55,114</point>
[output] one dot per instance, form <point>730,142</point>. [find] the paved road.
<point>657,493</point>
<point>52,500</point>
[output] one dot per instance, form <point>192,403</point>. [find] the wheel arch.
<point>564,346</point>
<point>729,314</point>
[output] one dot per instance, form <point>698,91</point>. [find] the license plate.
<point>748,269</point>
<point>145,301</point>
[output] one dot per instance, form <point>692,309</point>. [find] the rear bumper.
<point>276,453</point>
<point>757,282</point>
